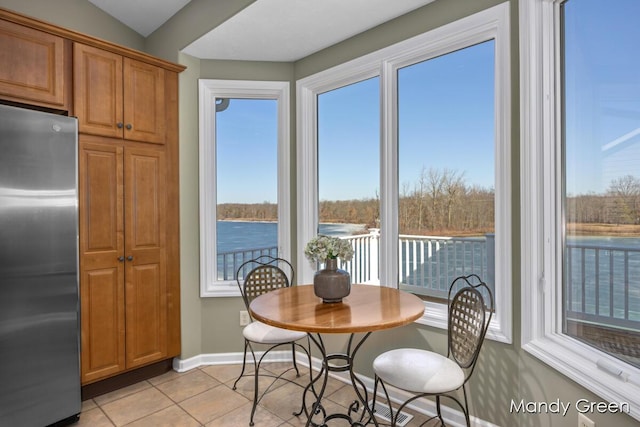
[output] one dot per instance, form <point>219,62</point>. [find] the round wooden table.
<point>365,310</point>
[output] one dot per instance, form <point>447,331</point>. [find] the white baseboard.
<point>427,407</point>
<point>183,365</point>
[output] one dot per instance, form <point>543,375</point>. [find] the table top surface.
<point>366,309</point>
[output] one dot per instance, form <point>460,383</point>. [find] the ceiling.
<point>267,30</point>
<point>143,16</point>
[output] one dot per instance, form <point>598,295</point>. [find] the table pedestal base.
<point>337,362</point>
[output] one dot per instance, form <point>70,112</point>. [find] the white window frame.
<point>541,201</point>
<point>490,24</point>
<point>209,91</point>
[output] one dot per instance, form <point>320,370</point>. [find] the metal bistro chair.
<point>425,373</point>
<point>266,275</point>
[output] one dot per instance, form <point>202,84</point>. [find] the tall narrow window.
<point>348,172</point>
<point>601,166</point>
<point>447,172</point>
<point>244,178</point>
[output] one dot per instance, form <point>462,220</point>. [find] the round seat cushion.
<point>262,333</point>
<point>418,371</point>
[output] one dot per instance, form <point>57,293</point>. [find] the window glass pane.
<point>247,182</point>
<point>602,176</point>
<point>446,151</point>
<point>349,171</point>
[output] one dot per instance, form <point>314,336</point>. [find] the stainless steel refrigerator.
<point>39,304</point>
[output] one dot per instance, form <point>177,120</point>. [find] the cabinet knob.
<point>129,126</point>
<point>120,258</point>
<point>130,258</point>
<point>119,124</point>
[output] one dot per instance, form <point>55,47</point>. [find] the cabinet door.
<point>33,65</point>
<point>144,106</point>
<point>101,263</point>
<point>145,249</point>
<point>98,91</point>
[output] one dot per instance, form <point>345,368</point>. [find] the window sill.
<point>579,362</point>
<point>220,289</point>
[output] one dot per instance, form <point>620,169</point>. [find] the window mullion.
<point>389,174</point>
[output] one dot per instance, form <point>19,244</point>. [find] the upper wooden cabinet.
<point>117,96</point>
<point>33,66</point>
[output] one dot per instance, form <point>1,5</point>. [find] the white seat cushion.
<point>262,333</point>
<point>418,371</point>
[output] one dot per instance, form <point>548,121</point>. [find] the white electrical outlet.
<point>244,318</point>
<point>583,421</point>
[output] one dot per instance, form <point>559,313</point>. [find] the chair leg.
<point>293,355</point>
<point>439,411</point>
<point>244,364</point>
<point>313,389</point>
<point>393,417</point>
<point>375,395</point>
<point>466,406</point>
<point>256,367</point>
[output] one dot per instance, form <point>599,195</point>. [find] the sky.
<point>602,93</point>
<point>246,158</point>
<point>446,122</point>
<point>446,118</point>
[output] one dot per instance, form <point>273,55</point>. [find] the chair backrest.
<point>267,274</point>
<point>470,311</point>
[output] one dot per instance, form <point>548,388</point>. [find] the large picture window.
<point>444,111</point>
<point>348,172</point>
<point>581,192</point>
<point>601,166</point>
<point>446,167</point>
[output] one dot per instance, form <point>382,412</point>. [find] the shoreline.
<point>601,230</point>
<point>573,229</point>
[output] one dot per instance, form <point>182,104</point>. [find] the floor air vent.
<point>382,411</point>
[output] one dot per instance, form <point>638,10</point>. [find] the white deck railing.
<point>427,264</point>
<point>604,280</point>
<point>604,284</point>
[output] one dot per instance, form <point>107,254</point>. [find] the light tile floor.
<point>204,397</point>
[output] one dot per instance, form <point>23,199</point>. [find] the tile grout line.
<point>177,404</point>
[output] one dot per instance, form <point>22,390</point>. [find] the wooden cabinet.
<point>127,119</point>
<point>33,66</point>
<point>145,255</point>
<point>129,220</point>
<point>117,96</point>
<point>102,260</point>
<point>122,256</point>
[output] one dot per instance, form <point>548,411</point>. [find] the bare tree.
<point>454,188</point>
<point>626,192</point>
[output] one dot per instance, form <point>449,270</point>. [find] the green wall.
<point>78,15</point>
<point>209,325</point>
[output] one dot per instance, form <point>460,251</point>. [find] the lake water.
<point>242,235</point>
<point>596,261</point>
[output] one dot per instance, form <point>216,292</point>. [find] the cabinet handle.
<point>120,258</point>
<point>129,126</point>
<point>130,258</point>
<point>119,124</point>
